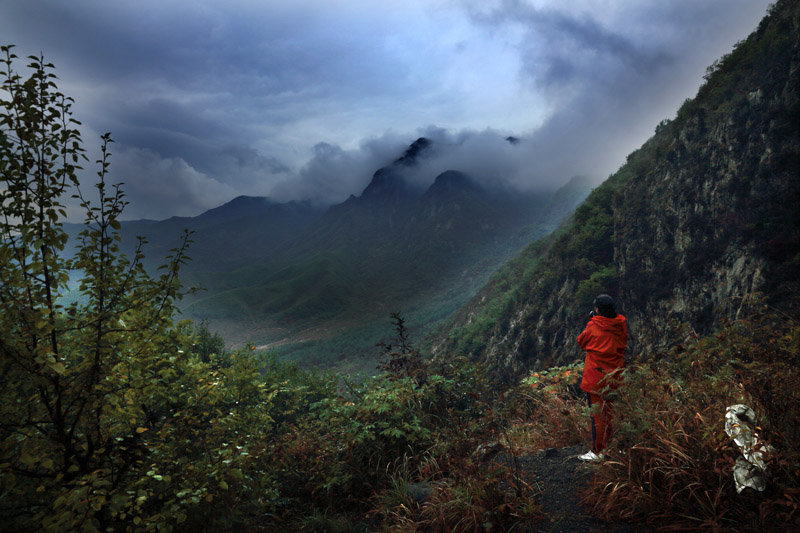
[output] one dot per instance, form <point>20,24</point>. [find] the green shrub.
<point>108,420</point>
<point>603,281</point>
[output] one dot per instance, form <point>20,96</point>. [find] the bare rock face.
<point>687,245</point>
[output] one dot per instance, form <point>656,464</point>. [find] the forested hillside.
<point>696,227</point>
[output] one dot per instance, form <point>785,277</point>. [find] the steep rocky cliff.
<point>698,222</point>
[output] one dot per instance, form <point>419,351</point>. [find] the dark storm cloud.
<point>189,46</point>
<point>208,100</point>
<point>164,114</point>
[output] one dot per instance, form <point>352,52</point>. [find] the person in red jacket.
<point>604,339</point>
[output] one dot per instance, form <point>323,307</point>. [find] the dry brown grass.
<point>676,469</point>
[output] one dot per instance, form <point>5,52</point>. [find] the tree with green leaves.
<point>101,402</point>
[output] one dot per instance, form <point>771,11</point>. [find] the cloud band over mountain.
<point>208,100</point>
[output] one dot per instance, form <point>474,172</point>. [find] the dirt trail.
<point>558,476</point>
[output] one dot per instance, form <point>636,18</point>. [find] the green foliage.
<point>505,290</point>
<point>472,337</point>
<point>556,379</point>
<point>604,281</point>
<point>210,347</point>
<point>591,228</point>
<point>547,409</point>
<point>108,421</point>
<point>727,77</point>
<point>401,359</point>
<point>339,445</point>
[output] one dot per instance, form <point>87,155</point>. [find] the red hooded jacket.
<point>604,340</point>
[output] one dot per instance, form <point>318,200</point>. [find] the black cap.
<point>605,305</point>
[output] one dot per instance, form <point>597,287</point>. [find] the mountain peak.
<point>386,186</point>
<point>411,154</point>
<point>452,181</point>
<point>238,207</point>
<point>243,202</point>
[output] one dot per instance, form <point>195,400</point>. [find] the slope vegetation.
<point>698,222</point>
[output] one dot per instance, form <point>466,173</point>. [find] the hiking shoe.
<point>591,456</point>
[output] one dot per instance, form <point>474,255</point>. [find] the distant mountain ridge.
<point>237,233</point>
<point>294,275</point>
<point>239,207</point>
<point>319,283</point>
<point>699,224</point>
<point>243,230</point>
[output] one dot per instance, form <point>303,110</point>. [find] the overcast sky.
<point>298,99</point>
